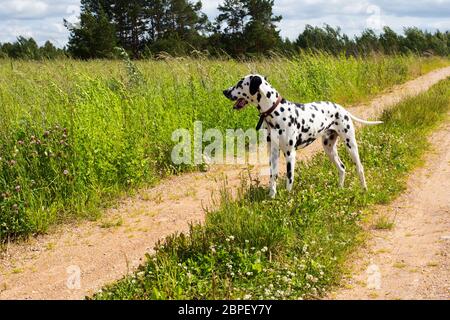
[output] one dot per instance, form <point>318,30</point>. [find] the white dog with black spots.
<point>296,125</point>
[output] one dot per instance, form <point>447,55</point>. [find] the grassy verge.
<point>75,134</point>
<point>293,246</point>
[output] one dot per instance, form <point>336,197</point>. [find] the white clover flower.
<point>231,238</point>
<point>247,296</point>
<point>264,249</point>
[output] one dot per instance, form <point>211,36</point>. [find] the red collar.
<point>265,114</point>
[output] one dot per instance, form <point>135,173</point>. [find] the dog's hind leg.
<point>352,148</point>
<point>329,142</point>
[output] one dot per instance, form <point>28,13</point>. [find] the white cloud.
<point>43,19</point>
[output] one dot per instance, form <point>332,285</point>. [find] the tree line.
<point>146,28</point>
<point>27,48</point>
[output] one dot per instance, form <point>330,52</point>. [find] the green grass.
<point>383,223</point>
<point>75,135</point>
<point>293,246</point>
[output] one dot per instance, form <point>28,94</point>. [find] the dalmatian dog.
<point>293,126</point>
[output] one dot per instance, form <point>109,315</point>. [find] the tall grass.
<point>75,134</point>
<point>293,246</point>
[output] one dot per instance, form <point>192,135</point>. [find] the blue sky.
<point>42,19</point>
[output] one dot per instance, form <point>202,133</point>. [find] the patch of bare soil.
<point>75,260</point>
<point>410,258</point>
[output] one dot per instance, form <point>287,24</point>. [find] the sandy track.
<point>412,260</point>
<point>42,267</point>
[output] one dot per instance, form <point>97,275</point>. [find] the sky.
<point>43,19</point>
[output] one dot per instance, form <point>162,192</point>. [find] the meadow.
<point>293,246</point>
<point>76,135</point>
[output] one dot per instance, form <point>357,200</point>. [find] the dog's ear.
<point>255,82</point>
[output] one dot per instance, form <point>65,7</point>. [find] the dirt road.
<point>75,260</point>
<point>411,260</point>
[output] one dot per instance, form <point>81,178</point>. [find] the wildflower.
<point>247,296</point>
<point>213,248</point>
<point>15,207</point>
<point>66,172</point>
<point>264,249</point>
<point>12,162</point>
<point>246,241</point>
<point>17,188</point>
<point>232,274</point>
<point>20,142</point>
<point>231,238</point>
<point>46,133</point>
<point>249,273</point>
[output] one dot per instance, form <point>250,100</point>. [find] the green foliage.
<point>74,135</point>
<point>93,37</point>
<point>28,49</point>
<point>293,246</point>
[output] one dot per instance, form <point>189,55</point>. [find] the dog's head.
<point>248,90</point>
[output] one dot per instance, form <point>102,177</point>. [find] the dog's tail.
<point>370,123</point>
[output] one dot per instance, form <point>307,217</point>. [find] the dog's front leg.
<point>290,167</point>
<point>274,156</point>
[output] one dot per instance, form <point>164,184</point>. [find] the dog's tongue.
<point>240,104</point>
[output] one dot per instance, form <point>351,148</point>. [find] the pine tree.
<point>93,37</point>
<point>249,26</point>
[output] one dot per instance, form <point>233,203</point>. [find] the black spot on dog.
<point>313,115</point>
<point>337,115</point>
<point>277,113</point>
<point>348,126</point>
<point>303,121</point>
<point>268,95</point>
<point>258,97</point>
<point>291,143</point>
<point>283,100</point>
<point>255,82</point>
<point>268,138</point>
<point>346,117</point>
<point>277,126</point>
<point>282,109</point>
<point>280,132</point>
<point>325,142</point>
<point>289,170</point>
